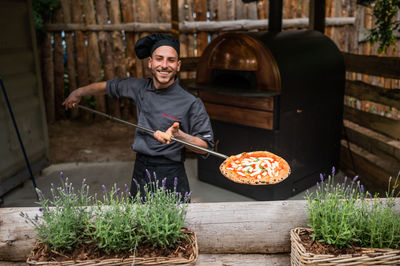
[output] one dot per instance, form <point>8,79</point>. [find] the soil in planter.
<point>322,248</point>
<point>43,253</point>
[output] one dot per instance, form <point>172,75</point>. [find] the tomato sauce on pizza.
<point>255,168</point>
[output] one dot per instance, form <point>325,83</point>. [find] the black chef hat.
<point>147,45</point>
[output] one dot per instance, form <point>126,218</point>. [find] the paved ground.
<point>108,173</point>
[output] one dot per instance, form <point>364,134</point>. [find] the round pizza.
<point>255,168</point>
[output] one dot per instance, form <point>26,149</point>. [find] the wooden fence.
<point>93,40</point>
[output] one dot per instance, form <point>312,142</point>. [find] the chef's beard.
<point>172,76</point>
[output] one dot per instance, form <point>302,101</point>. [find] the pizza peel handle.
<point>223,156</point>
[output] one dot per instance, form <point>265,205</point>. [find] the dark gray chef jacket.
<point>158,109</point>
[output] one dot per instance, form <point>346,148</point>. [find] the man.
<point>161,104</point>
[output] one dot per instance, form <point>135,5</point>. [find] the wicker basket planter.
<point>299,255</point>
<point>130,260</point>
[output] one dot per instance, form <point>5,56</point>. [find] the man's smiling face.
<point>164,65</point>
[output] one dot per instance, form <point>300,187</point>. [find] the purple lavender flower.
<point>369,195</point>
<point>117,192</point>
<point>175,182</point>
<point>345,179</point>
<point>333,170</point>
<point>52,186</point>
<point>36,218</point>
<point>126,188</point>
<point>21,214</point>
<point>136,183</point>
<point>362,188</point>
<point>67,189</point>
<point>104,188</point>
<point>164,182</point>
<point>148,175</point>
<point>62,177</point>
<point>321,176</point>
<point>41,209</point>
<point>129,194</point>
<point>354,179</point>
<point>27,236</point>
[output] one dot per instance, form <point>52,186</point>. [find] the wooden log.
<point>94,61</point>
<point>59,69</point>
<point>198,26</point>
<point>366,92</point>
<point>373,65</point>
<point>191,51</point>
<point>127,15</point>
<point>175,18</point>
<point>375,143</point>
<point>119,53</point>
<point>105,44</point>
<point>48,77</point>
<point>81,54</point>
<point>183,39</point>
<point>384,125</point>
<point>201,15</point>
<point>69,43</point>
<point>229,227</point>
<point>261,9</point>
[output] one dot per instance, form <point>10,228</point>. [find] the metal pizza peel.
<point>217,154</point>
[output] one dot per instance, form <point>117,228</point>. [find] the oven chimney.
<point>275,16</point>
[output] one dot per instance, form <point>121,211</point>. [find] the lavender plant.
<point>161,214</point>
<point>117,223</point>
<point>63,226</point>
<point>113,228</point>
<point>343,215</point>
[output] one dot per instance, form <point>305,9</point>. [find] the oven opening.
<point>236,80</point>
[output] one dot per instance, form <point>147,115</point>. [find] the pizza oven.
<point>278,92</point>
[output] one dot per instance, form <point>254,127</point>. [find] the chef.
<point>161,104</point>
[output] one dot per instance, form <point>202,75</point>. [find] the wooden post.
<point>201,15</point>
<point>106,52</point>
<point>317,15</point>
<point>94,61</point>
<point>275,16</point>
<point>48,77</point>
<point>175,19</point>
<point>59,69</point>
<point>81,53</point>
<point>118,48</point>
<point>69,43</point>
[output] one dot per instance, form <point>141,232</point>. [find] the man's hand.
<point>72,99</point>
<point>165,137</point>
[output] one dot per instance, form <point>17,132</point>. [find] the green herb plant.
<point>344,215</point>
<point>118,223</point>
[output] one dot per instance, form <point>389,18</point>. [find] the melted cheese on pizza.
<point>253,166</point>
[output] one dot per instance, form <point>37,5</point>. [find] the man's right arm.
<point>98,88</point>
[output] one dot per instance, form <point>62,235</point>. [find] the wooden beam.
<point>366,92</point>
<point>197,26</point>
<point>369,167</point>
<point>374,142</point>
<point>275,16</point>
<point>317,15</point>
<point>384,66</point>
<point>382,124</point>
